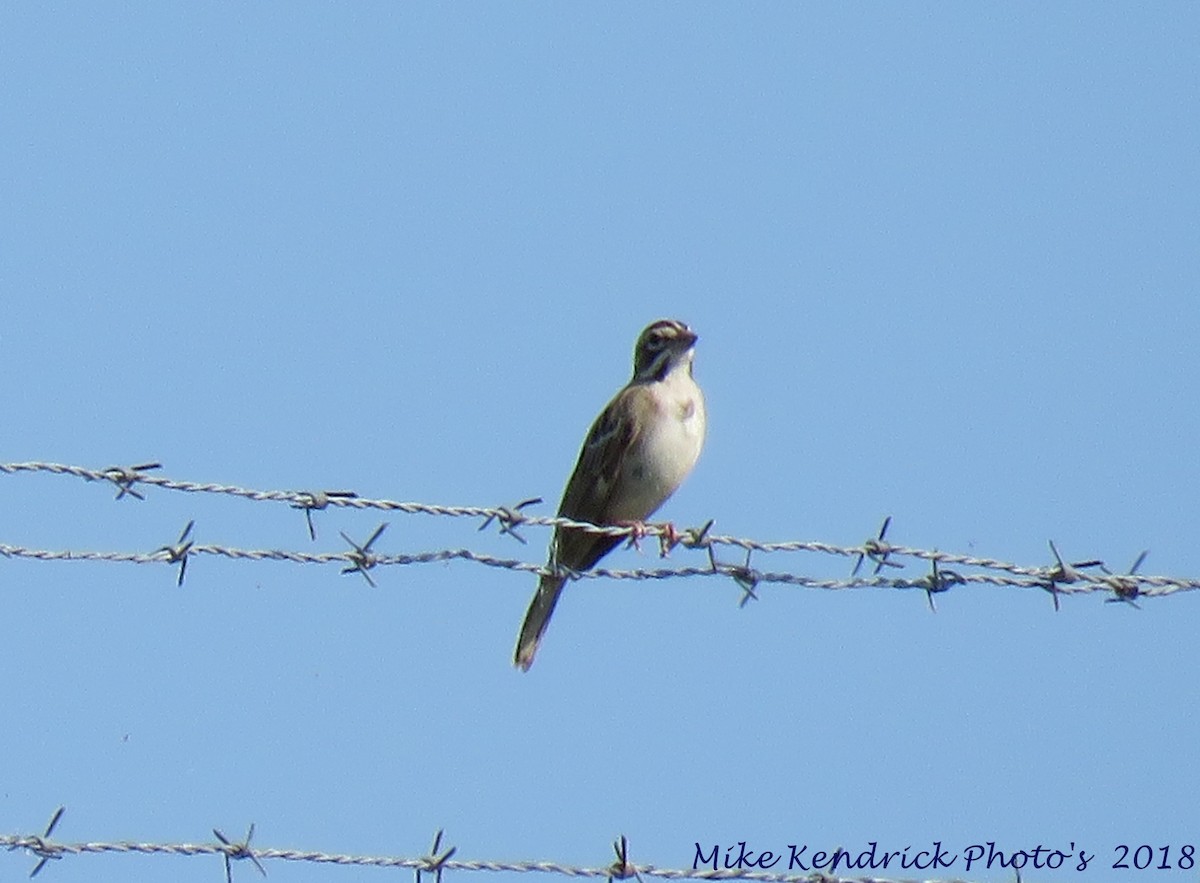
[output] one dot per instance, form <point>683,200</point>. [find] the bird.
<point>635,456</point>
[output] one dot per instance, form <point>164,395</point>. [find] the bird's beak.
<point>689,338</point>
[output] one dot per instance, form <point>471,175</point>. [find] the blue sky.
<point>942,259</point>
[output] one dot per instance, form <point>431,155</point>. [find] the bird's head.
<point>661,347</point>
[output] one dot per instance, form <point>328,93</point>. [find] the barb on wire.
<point>240,850</point>
<point>1065,573</point>
<point>179,552</point>
<point>361,559</point>
<point>693,538</point>
<point>310,500</point>
<point>939,581</point>
<point>876,550</point>
<point>1124,587</point>
<point>40,845</point>
<point>621,869</point>
<point>510,519</point>
<point>434,863</point>
<point>125,477</point>
<point>746,577</point>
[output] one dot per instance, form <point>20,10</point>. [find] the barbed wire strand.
<point>1058,578</point>
<point>1148,586</point>
<point>46,850</point>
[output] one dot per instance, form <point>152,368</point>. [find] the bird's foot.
<point>637,530</point>
<point>668,539</point>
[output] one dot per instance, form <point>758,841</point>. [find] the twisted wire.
<point>128,476</point>
<point>45,850</point>
<point>1059,578</point>
<point>1147,586</point>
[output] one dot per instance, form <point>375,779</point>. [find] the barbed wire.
<point>1059,577</point>
<point>436,862</point>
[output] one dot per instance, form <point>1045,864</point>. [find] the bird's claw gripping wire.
<point>669,539</point>
<point>637,531</point>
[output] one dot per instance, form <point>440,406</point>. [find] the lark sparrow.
<point>637,453</point>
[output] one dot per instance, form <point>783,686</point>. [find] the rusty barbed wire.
<point>1057,578</point>
<point>41,847</point>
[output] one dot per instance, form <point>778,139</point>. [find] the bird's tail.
<point>536,620</point>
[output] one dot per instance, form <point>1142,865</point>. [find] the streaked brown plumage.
<point>637,453</point>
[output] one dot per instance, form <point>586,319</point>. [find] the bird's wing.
<point>594,484</point>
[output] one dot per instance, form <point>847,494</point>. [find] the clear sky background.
<point>943,262</point>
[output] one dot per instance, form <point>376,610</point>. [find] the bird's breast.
<point>668,449</point>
